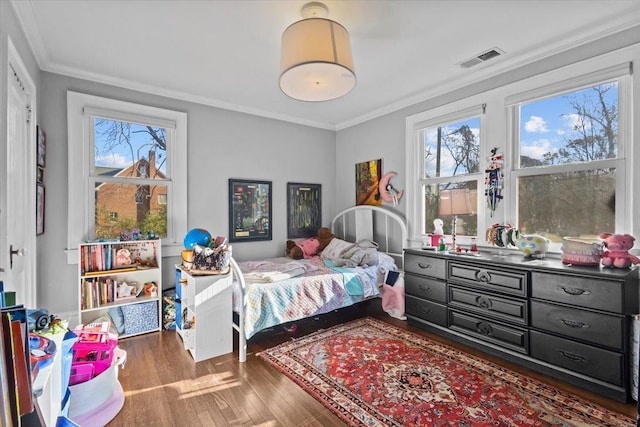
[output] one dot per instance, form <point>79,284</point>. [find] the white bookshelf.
<point>101,275</point>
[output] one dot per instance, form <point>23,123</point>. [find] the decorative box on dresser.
<point>569,322</point>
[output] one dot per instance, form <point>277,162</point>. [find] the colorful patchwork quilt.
<point>321,289</point>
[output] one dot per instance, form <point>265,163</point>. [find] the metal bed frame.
<point>375,223</point>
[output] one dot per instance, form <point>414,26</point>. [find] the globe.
<point>196,236</point>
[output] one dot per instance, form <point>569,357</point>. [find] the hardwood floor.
<point>164,387</point>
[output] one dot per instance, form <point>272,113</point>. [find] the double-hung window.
<point>567,162</point>
<point>127,171</point>
<point>446,160</point>
<point>569,156</point>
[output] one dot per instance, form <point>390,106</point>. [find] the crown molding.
<point>26,18</point>
<point>483,71</point>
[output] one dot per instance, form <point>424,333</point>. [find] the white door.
<point>17,206</point>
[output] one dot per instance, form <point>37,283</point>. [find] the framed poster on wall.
<point>39,209</point>
<point>41,147</point>
<point>367,181</point>
<point>249,210</point>
<point>304,210</point>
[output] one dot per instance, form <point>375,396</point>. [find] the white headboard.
<point>386,228</point>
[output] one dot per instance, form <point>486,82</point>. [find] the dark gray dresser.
<point>569,322</point>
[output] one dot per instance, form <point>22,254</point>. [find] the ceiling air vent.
<point>479,59</point>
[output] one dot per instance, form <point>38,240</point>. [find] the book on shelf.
<point>112,270</point>
<point>22,368</point>
<point>17,359</point>
<point>8,345</point>
<point>97,258</point>
<point>98,291</point>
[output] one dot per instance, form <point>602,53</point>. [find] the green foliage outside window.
<point>154,222</point>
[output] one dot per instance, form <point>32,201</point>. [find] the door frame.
<point>10,62</point>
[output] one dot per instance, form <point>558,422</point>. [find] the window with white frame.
<point>567,171</point>
<point>569,156</point>
<point>447,160</point>
<point>125,160</point>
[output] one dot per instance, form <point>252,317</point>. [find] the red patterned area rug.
<point>371,373</point>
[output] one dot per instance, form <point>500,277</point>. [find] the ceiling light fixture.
<point>316,62</point>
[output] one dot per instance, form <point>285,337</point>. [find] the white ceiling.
<point>227,53</point>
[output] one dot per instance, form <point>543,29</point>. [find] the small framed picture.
<point>41,147</point>
<point>39,175</point>
<point>249,210</point>
<point>39,209</point>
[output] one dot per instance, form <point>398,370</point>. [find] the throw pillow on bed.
<point>335,248</point>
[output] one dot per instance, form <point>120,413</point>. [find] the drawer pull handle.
<point>483,302</point>
<point>572,356</point>
<point>483,276</point>
<point>424,266</point>
<point>484,328</point>
<point>574,323</point>
<point>424,288</point>
<point>574,291</point>
<point>425,310</point>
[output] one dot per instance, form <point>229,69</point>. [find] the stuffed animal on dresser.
<point>616,252</point>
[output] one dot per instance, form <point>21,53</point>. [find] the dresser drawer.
<point>598,328</point>
<point>511,281</point>
<point>426,266</point>
<point>425,288</point>
<point>594,362</point>
<point>426,310</point>
<point>507,309</point>
<point>491,331</point>
<point>589,292</point>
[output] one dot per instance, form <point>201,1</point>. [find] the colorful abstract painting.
<point>367,180</point>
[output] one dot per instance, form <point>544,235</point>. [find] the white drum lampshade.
<point>316,62</point>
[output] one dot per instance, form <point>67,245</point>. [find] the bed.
<point>274,291</point>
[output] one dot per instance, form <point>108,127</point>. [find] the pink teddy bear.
<point>309,247</point>
<point>617,250</point>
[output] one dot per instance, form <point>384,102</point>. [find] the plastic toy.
<point>494,179</point>
<point>196,236</point>
<point>533,245</point>
<point>387,192</point>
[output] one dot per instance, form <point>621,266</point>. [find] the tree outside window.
<point>129,178</point>
<point>566,188</point>
<point>452,150</point>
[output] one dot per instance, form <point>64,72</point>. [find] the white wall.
<point>384,137</point>
<point>222,144</point>
<point>9,25</point>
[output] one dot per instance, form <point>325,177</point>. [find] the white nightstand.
<point>206,304</point>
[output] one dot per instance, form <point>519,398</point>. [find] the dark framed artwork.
<point>39,175</point>
<point>249,210</point>
<point>368,176</point>
<point>41,147</point>
<point>304,209</point>
<point>40,209</point>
